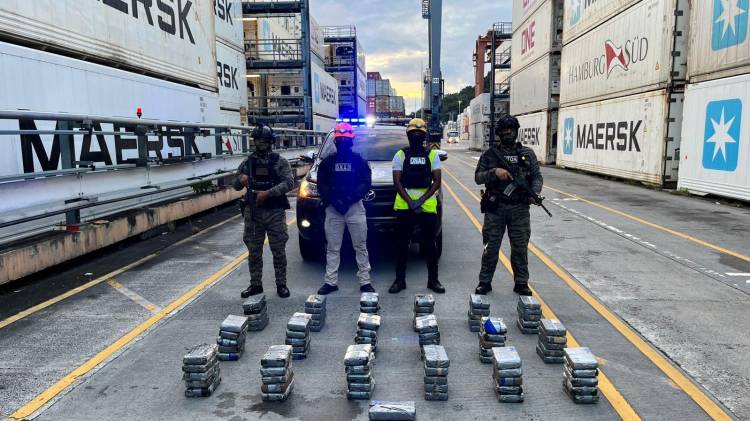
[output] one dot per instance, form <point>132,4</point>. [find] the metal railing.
<point>347,31</point>
<point>274,50</point>
<point>153,161</point>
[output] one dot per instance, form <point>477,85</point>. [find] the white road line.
<point>739,275</point>
<point>122,289</point>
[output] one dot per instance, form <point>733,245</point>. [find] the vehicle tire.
<point>310,250</point>
<point>439,244</point>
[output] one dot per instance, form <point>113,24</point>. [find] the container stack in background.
<point>714,155</point>
<point>479,122</point>
<point>535,73</point>
<point>624,67</point>
<point>231,69</point>
<point>382,99</point>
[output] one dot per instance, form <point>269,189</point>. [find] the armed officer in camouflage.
<point>507,207</point>
<point>268,178</point>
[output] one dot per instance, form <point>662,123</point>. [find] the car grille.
<point>382,204</point>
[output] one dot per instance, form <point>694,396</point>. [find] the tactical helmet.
<point>507,122</point>
<point>263,133</point>
<point>417,124</point>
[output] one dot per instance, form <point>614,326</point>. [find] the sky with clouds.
<point>394,37</point>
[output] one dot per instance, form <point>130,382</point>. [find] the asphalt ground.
<point>114,349</point>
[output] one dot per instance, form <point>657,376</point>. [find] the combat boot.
<point>522,289</point>
<point>483,288</point>
<point>436,286</point>
<point>283,291</point>
<point>252,290</point>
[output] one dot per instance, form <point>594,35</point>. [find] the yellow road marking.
<point>42,399</point>
<point>134,296</point>
<point>644,222</point>
<point>681,380</point>
<point>52,301</point>
<point>615,398</point>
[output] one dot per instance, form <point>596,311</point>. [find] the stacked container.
<point>231,70</point>
<point>535,73</point>
<point>479,122</point>
<point>624,66</point>
<point>714,154</point>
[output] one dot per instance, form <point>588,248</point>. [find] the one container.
<point>537,87</point>
<point>715,152</point>
<point>583,15</point>
<point>175,40</point>
<point>719,41</point>
<point>317,43</point>
<point>540,34</point>
<point>383,104</point>
<point>635,137</point>
<point>228,23</point>
<point>523,9</point>
<point>325,95</point>
<point>43,82</point>
<point>639,50</point>
<point>539,132</point>
<point>231,74</point>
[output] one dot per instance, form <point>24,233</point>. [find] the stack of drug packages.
<point>553,339</point>
<point>529,314</point>
<point>492,334</point>
<point>508,374</point>
<point>358,363</point>
<point>479,306</point>
<point>436,364</point>
<point>200,371</point>
<point>315,305</point>
<point>392,411</point>
<point>367,330</point>
<point>369,302</point>
<point>424,304</point>
<point>231,341</point>
<point>581,375</point>
<point>276,373</point>
<point>256,312</point>
<point>427,328</point>
<point>298,335</point>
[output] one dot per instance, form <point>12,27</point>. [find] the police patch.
<point>513,159</point>
<point>343,167</point>
<point>418,160</point>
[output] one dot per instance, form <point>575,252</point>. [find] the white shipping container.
<point>539,133</point>
<point>480,109</point>
<point>230,118</point>
<point>536,87</point>
<point>316,39</point>
<point>628,54</point>
<point>361,84</point>
<point>229,23</point>
<point>324,92</point>
<point>323,124</point>
<point>715,150</point>
<point>175,40</point>
<point>719,45</point>
<point>583,15</point>
<point>539,35</point>
<point>522,9</point>
<point>635,137</point>
<point>231,73</point>
<point>42,82</point>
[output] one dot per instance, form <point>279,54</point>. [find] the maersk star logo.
<point>729,23</point>
<point>568,136</point>
<point>721,147</point>
<point>316,87</point>
<point>575,12</point>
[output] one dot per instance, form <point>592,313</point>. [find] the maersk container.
<point>537,87</point>
<point>540,34</point>
<point>583,15</point>
<point>539,132</point>
<point>38,81</point>
<point>635,137</point>
<point>323,124</point>
<point>231,73</point>
<point>715,151</point>
<point>325,93</point>
<point>642,49</point>
<point>522,9</point>
<point>228,23</point>
<point>719,42</point>
<point>175,40</point>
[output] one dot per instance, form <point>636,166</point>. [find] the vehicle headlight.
<point>308,190</point>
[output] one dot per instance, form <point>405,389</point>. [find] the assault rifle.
<point>520,183</point>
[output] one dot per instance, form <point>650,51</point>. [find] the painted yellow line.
<point>615,398</point>
<point>133,296</point>
<point>681,380</point>
<point>642,221</point>
<point>52,301</point>
<point>42,399</point>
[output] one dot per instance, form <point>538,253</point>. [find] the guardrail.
<point>61,164</point>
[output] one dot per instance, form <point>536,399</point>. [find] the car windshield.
<point>372,144</point>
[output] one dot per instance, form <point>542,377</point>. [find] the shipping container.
<point>536,87</point>
<point>383,104</point>
<point>522,9</point>
<point>230,118</point>
<point>584,15</point>
<point>38,81</point>
<point>269,39</point>
<point>323,124</point>
<point>373,76</point>
<point>175,41</point>
<point>361,84</point>
<point>325,93</point>
<point>539,132</point>
<point>638,50</point>
<point>228,23</point>
<point>480,109</point>
<point>231,73</point>
<point>719,45</point>
<point>635,137</point>
<point>371,105</point>
<point>317,43</point>
<point>540,34</point>
<point>715,149</point>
